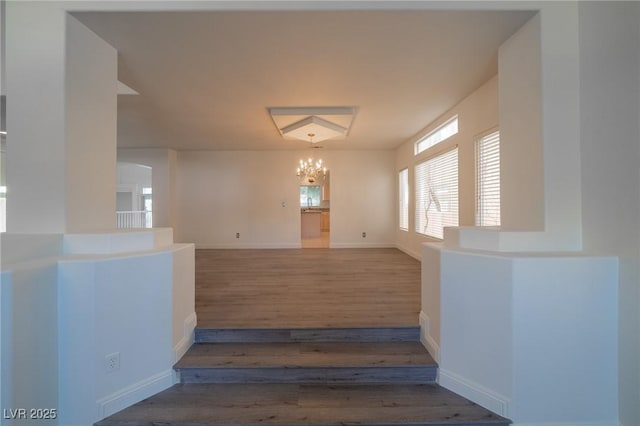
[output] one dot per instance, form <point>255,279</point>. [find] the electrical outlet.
<point>364,235</point>
<point>237,235</point>
<point>112,362</point>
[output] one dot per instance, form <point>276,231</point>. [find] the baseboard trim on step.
<point>425,337</point>
<point>349,334</point>
<point>188,337</point>
<point>477,393</point>
<point>566,424</point>
<point>405,250</point>
<point>250,246</point>
<point>413,374</point>
<point>134,393</point>
<point>362,245</point>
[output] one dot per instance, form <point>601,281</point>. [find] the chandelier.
<point>309,169</point>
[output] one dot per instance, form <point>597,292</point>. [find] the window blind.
<point>488,180</point>
<point>403,192</point>
<point>437,194</point>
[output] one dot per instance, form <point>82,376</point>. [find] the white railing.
<point>133,219</point>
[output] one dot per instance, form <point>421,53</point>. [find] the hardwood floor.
<point>308,362</point>
<point>307,288</point>
<point>321,242</point>
<point>296,405</point>
<point>266,352</point>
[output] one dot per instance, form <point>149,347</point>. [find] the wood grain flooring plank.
<point>307,288</point>
<point>290,404</point>
<point>302,334</point>
<point>316,354</point>
<point>355,374</point>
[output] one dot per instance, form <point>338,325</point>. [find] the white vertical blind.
<point>403,192</point>
<point>488,180</point>
<point>437,194</point>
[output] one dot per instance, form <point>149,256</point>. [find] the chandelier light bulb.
<point>310,169</point>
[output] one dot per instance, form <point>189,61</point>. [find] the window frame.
<point>319,198</point>
<point>403,199</point>
<point>417,149</point>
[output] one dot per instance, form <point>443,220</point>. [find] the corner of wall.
<point>426,339</point>
<point>138,391</point>
<point>477,393</point>
<point>188,337</point>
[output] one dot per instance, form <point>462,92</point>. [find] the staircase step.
<point>353,334</point>
<point>307,362</point>
<point>296,404</point>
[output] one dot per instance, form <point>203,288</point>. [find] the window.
<point>310,196</point>
<point>488,180</point>
<point>403,192</point>
<point>437,194</point>
<point>443,132</point>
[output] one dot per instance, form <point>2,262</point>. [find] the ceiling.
<point>207,79</point>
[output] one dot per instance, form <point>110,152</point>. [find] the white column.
<point>540,134</point>
<point>521,167</point>
<point>61,122</point>
<point>36,151</point>
<point>91,126</point>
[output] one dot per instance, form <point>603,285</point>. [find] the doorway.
<point>134,196</point>
<point>315,213</point>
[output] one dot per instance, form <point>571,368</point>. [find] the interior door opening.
<point>315,213</point>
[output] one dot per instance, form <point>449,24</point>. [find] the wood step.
<point>352,334</point>
<point>300,405</point>
<point>307,362</point>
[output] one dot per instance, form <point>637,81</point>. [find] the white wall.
<point>91,116</point>
<point>244,191</point>
<point>35,75</point>
<point>477,113</point>
<point>108,304</point>
<point>183,299</point>
<point>546,144</point>
<point>29,336</point>
<point>590,157</point>
<point>521,130</point>
<point>430,299</point>
<point>532,338</point>
<point>59,319</point>
<point>67,301</point>
<point>28,312</point>
<point>551,36</point>
<point>133,174</point>
<point>363,194</point>
<point>609,96</point>
<point>64,80</point>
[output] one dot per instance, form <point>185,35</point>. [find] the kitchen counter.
<point>310,221</point>
<point>313,209</point>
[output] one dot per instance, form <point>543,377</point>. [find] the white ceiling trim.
<point>313,124</point>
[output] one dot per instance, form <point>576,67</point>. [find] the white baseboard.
<point>251,246</point>
<point>187,337</point>
<point>134,393</point>
<point>362,245</point>
<point>567,424</point>
<point>477,393</point>
<point>414,254</point>
<point>425,337</point>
